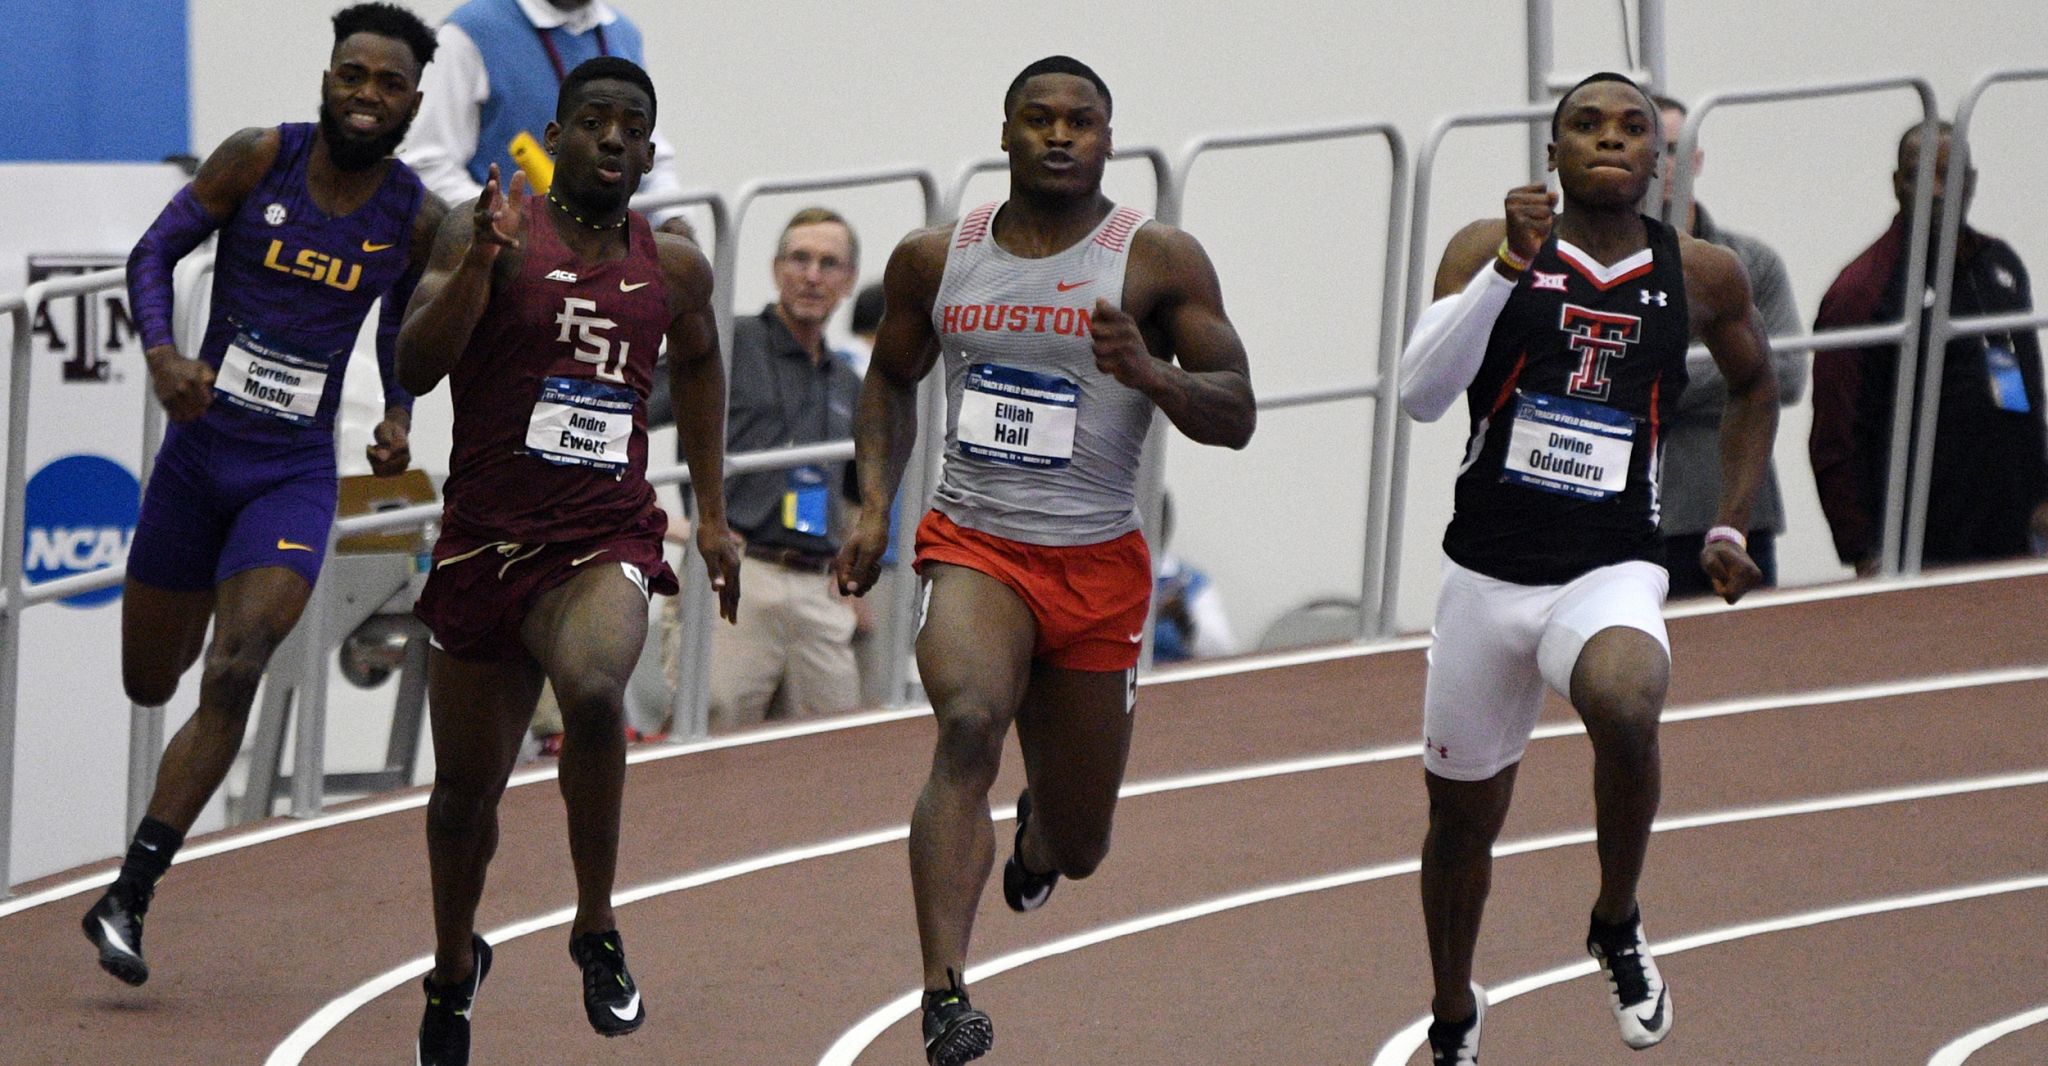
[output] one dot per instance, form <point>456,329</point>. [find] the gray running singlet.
<point>1041,447</point>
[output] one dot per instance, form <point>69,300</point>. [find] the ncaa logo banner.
<point>80,513</point>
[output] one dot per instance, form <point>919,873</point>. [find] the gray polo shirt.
<point>777,397</point>
<point>1692,456</point>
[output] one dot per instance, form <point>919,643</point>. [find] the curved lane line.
<point>855,1040</point>
<point>414,801</point>
<point>1169,676</point>
<point>310,1032</point>
<point>1956,1051</point>
<point>1397,1051</point>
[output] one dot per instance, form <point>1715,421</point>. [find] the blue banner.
<point>95,81</point>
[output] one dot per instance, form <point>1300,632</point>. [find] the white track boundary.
<point>1397,1051</point>
<point>1956,1051</point>
<point>855,1040</point>
<point>1173,675</point>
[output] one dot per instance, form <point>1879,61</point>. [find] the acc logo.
<point>81,517</point>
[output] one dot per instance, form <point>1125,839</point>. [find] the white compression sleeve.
<point>1449,343</point>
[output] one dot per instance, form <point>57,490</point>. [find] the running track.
<point>1852,867</point>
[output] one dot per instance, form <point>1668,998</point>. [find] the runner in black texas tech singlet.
<point>1582,372</point>
<point>1565,332</point>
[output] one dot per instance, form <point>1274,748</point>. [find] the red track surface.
<point>772,966</point>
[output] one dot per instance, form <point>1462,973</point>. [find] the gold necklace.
<point>579,218</point>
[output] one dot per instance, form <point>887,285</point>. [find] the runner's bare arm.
<point>1726,319</point>
<point>885,419</point>
<point>390,447</point>
<point>696,376</point>
<point>185,386</point>
<point>456,288</point>
<point>1208,396</point>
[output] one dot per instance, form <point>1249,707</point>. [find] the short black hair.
<point>867,309</point>
<point>1942,128</point>
<point>1056,65</point>
<point>1557,116</point>
<point>1670,103</point>
<point>387,20</point>
<point>602,68</point>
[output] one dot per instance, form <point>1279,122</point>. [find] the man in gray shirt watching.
<point>795,631</point>
<point>1692,454</point>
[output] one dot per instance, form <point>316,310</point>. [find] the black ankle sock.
<point>149,855</point>
<point>1619,932</point>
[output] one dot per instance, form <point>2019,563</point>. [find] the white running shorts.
<point>1496,645</point>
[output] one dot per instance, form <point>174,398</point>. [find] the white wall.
<point>777,88</point>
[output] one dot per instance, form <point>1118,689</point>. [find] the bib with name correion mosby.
<point>261,374</point>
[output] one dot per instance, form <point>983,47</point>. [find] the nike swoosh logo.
<point>1066,287</point>
<point>368,247</point>
<point>628,1012</point>
<point>1136,637</point>
<point>623,287</point>
<point>1656,1019</point>
<point>114,935</point>
<point>284,545</point>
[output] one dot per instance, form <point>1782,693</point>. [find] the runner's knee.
<point>459,811</point>
<point>152,685</point>
<point>591,703</point>
<point>234,667</point>
<point>970,744</point>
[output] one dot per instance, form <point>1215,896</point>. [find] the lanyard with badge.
<point>524,148</point>
<point>2001,363</point>
<point>806,494</point>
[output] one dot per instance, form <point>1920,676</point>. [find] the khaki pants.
<point>794,634</point>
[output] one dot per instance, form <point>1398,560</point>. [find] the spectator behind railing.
<point>795,631</point>
<point>1989,483</point>
<point>493,91</point>
<point>1692,454</point>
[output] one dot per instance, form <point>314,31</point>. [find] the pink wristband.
<point>1730,534</point>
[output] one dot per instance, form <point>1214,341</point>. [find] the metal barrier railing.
<point>699,612</point>
<point>1941,327</point>
<point>1418,276</point>
<point>1383,389</point>
<point>1906,331</point>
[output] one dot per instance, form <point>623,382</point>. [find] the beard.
<point>351,151</point>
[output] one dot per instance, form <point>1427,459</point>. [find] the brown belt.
<point>791,558</point>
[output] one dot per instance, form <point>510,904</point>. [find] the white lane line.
<point>1397,1051</point>
<point>1169,676</point>
<point>332,1014</point>
<point>414,801</point>
<point>855,1040</point>
<point>1956,1051</point>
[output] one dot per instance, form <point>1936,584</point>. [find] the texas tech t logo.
<point>1597,336</point>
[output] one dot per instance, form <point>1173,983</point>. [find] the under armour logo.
<point>1658,297</point>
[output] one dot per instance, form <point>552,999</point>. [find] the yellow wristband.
<point>1514,262</point>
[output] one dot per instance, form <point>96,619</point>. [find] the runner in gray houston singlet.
<point>1041,447</point>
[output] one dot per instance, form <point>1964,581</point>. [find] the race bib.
<point>261,376</point>
<point>1018,417</point>
<point>582,423</point>
<point>1569,447</point>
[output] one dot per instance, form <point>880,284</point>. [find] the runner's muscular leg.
<point>974,654</point>
<point>253,612</point>
<point>1075,731</point>
<point>1465,818</point>
<point>587,634</point>
<point>1618,688</point>
<point>480,711</point>
<point>162,631</point>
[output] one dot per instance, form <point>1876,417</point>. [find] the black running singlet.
<point>1581,375</point>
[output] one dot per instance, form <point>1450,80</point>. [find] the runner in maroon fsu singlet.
<point>545,314</point>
